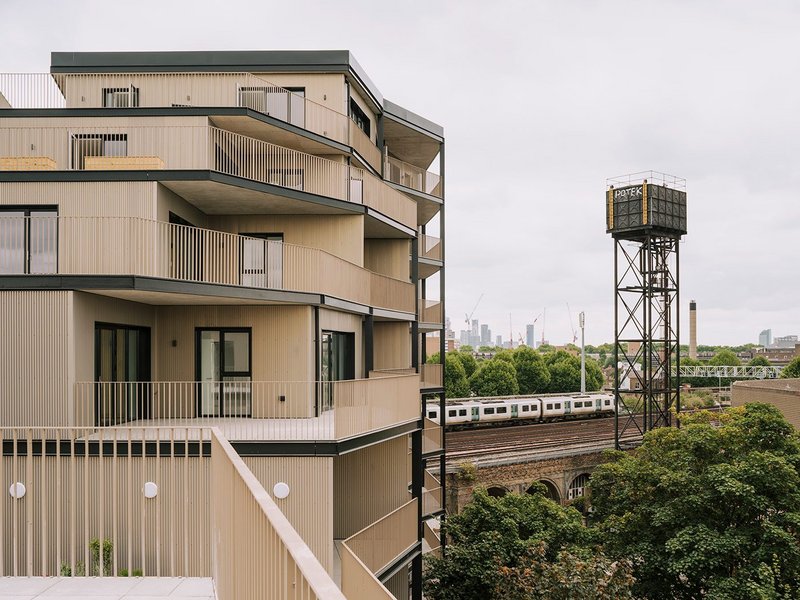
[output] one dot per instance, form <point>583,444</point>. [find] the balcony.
<point>431,495</point>
<point>431,312</point>
<point>200,148</point>
<point>432,437</point>
<point>157,90</point>
<point>412,177</point>
<point>430,247</point>
<point>431,376</point>
<point>149,248</point>
<point>248,410</point>
<point>83,508</point>
<point>368,553</point>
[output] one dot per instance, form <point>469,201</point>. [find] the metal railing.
<point>432,539</point>
<point>430,247</point>
<point>431,436</point>
<point>155,90</point>
<point>257,553</point>
<point>744,371</point>
<point>198,147</point>
<point>431,311</point>
<point>431,494</point>
<point>431,375</point>
<point>184,505</point>
<point>410,176</point>
<point>378,545</point>
<point>145,247</point>
<point>250,410</point>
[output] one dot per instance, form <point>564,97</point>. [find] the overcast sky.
<point>541,102</point>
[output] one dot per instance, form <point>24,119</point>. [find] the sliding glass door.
<point>338,363</point>
<point>224,372</point>
<point>122,373</point>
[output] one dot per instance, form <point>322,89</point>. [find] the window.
<point>286,104</point>
<point>525,408</point>
<point>558,406</point>
<point>549,407</point>
<point>578,486</point>
<point>578,404</point>
<point>87,145</point>
<point>462,412</point>
<point>338,363</point>
<point>432,414</point>
<point>501,410</point>
<point>28,240</point>
<point>608,402</point>
<point>451,413</point>
<point>120,97</point>
<point>488,411</point>
<point>359,117</point>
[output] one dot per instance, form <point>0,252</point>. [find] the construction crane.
<point>533,333</point>
<point>468,317</point>
<point>574,333</point>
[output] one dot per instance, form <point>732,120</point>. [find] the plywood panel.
<point>36,346</point>
<point>388,257</point>
<point>309,503</point>
<point>368,484</point>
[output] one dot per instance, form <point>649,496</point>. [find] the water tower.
<point>646,217</point>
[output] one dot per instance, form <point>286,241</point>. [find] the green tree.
<point>455,377</point>
<point>792,370</point>
<point>725,358</point>
<point>506,355</point>
<point>532,374</point>
<point>759,360</point>
<point>710,510</point>
<point>495,377</point>
<point>594,375</point>
<point>491,533</point>
<point>468,361</point>
<point>565,372</point>
<point>433,359</point>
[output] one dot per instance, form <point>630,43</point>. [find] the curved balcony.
<point>135,246</point>
<point>199,148</point>
<point>250,410</point>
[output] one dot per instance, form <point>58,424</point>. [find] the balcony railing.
<point>155,90</point>
<point>431,311</point>
<point>432,539</point>
<point>431,437</point>
<point>257,553</point>
<point>178,508</point>
<point>431,495</point>
<point>198,147</point>
<point>430,247</point>
<point>250,410</point>
<point>144,247</point>
<point>380,544</point>
<point>431,375</point>
<point>412,177</point>
<point>361,143</point>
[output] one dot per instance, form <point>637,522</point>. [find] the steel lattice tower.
<point>646,216</point>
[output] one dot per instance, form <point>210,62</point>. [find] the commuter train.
<point>475,411</point>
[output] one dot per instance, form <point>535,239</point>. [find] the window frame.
<point>26,209</point>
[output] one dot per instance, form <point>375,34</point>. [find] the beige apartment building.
<point>219,272</point>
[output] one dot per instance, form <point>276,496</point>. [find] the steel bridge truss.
<point>646,328</point>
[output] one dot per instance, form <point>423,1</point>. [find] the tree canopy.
<point>725,358</point>
<point>520,546</point>
<point>532,374</point>
<point>709,510</point>
<point>495,377</point>
<point>759,360</point>
<point>792,370</point>
<point>455,377</point>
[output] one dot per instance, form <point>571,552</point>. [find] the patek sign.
<point>628,193</point>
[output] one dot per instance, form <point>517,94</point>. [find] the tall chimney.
<point>693,330</point>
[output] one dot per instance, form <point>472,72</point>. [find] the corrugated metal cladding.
<point>392,345</point>
<point>398,584</point>
<point>282,339</point>
<point>70,501</point>
<point>369,484</point>
<point>86,199</point>
<point>308,505</point>
<point>36,349</point>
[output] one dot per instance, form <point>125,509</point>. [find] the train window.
<point>525,408</point>
<point>534,408</point>
<point>488,411</point>
<point>451,413</point>
<point>431,415</point>
<point>608,402</point>
<point>462,412</point>
<point>579,405</point>
<point>549,407</point>
<point>558,405</point>
<point>502,410</point>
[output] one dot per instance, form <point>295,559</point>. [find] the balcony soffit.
<point>409,145</point>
